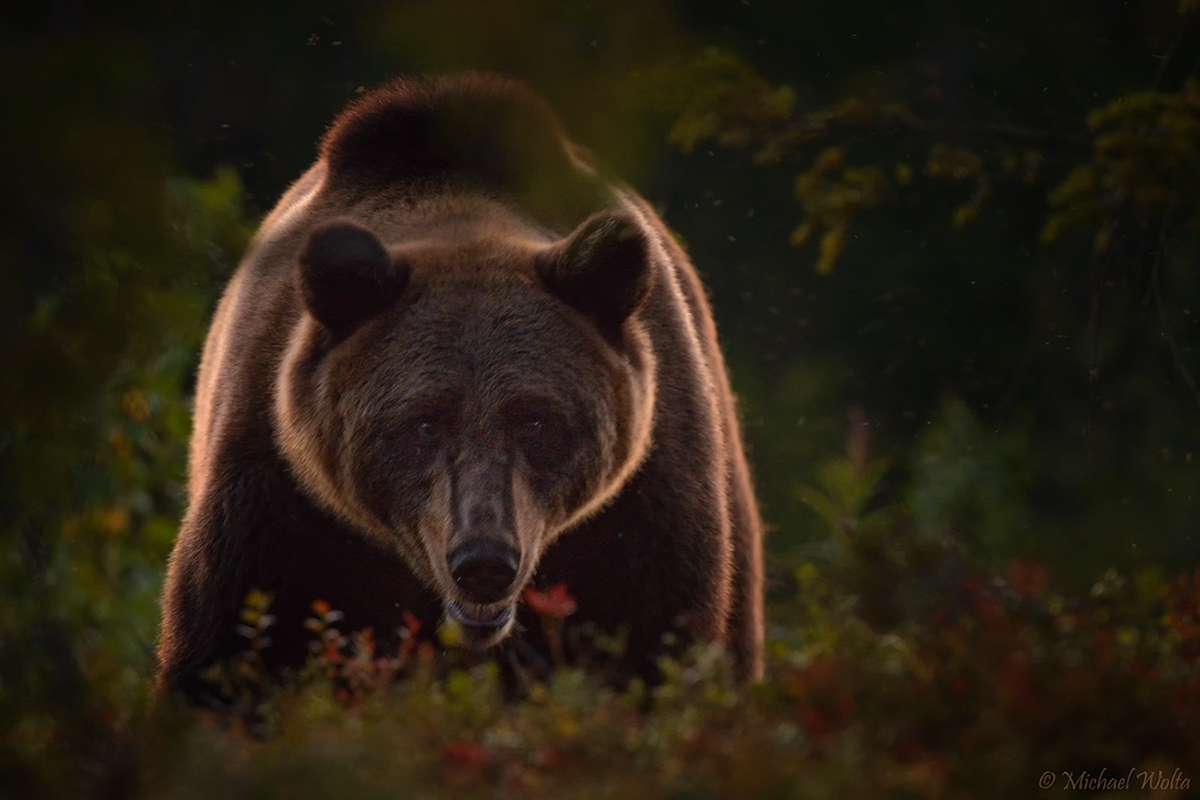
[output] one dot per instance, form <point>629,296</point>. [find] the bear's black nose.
<point>484,569</point>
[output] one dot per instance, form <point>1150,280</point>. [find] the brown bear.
<point>454,363</point>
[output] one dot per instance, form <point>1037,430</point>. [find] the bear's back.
<point>462,134</point>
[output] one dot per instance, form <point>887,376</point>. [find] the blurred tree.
<point>109,273</point>
<point>982,233</point>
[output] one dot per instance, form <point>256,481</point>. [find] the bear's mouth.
<point>480,621</point>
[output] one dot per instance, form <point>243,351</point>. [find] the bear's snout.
<point>484,569</point>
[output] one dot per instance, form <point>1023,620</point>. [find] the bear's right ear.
<point>347,276</point>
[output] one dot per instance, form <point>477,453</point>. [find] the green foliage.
<point>727,103</point>
<point>957,222</point>
<point>93,497</point>
<point>1145,155</point>
<point>736,108</point>
<point>847,484</point>
<point>832,201</point>
<point>1000,682</point>
<point>969,484</point>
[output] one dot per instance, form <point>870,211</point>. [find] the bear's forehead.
<point>476,345</point>
<point>471,266</point>
<point>477,355</point>
<point>464,320</point>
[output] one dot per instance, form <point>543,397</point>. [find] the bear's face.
<point>462,404</point>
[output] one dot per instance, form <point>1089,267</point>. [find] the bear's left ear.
<point>602,269</point>
<point>346,276</point>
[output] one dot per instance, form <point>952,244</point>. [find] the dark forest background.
<point>952,250</point>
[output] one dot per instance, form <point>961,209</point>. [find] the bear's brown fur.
<point>454,363</point>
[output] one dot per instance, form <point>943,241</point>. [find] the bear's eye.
<point>411,442</point>
<point>427,431</point>
<point>542,437</point>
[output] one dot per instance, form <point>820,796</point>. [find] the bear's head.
<point>462,401</point>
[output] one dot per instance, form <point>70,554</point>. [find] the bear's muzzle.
<point>484,569</point>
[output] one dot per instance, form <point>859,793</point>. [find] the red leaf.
<point>472,754</point>
<point>816,723</point>
<point>1028,578</point>
<point>554,602</point>
<point>547,757</point>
